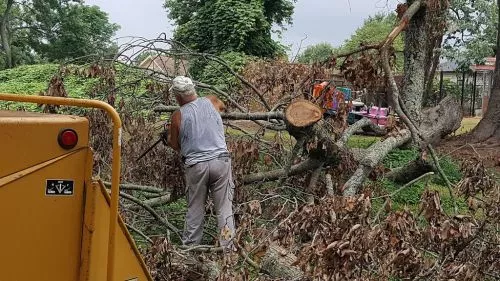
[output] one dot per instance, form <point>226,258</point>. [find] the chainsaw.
<point>163,138</point>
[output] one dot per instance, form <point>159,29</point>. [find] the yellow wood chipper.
<point>58,223</point>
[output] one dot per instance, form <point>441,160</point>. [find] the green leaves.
<point>472,31</point>
<point>374,30</point>
<point>55,30</point>
<point>215,74</point>
<point>316,53</point>
<point>81,30</point>
<point>218,26</point>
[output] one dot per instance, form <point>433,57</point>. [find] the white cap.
<point>182,84</point>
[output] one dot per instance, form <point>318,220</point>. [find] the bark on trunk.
<point>302,167</point>
<point>375,154</point>
<point>277,263</point>
<point>440,121</point>
<point>5,34</point>
<point>415,64</point>
<point>410,171</point>
<point>490,124</point>
<point>434,54</point>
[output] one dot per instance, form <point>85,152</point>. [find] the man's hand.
<point>164,135</point>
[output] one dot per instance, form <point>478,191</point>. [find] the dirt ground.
<point>459,148</point>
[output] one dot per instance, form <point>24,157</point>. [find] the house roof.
<point>489,65</point>
<point>447,66</point>
<point>165,64</point>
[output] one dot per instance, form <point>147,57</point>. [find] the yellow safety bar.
<point>115,174</point>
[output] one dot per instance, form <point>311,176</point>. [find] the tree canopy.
<point>373,30</point>
<point>52,30</point>
<point>82,30</point>
<point>217,26</point>
<point>472,31</point>
<point>316,53</point>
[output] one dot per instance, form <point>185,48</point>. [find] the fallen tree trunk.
<point>306,165</point>
<point>439,122</point>
<point>277,263</point>
<point>232,115</point>
<point>410,171</point>
<point>359,125</point>
<point>374,155</point>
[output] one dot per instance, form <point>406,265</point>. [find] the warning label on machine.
<point>59,187</point>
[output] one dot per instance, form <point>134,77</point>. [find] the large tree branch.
<point>135,187</point>
<point>302,167</point>
<point>364,122</point>
<point>373,156</point>
<point>232,115</point>
<point>403,23</point>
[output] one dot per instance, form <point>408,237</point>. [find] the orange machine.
<point>57,222</point>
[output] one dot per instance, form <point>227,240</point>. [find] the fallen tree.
<point>305,152</point>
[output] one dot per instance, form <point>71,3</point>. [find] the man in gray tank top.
<point>197,132</point>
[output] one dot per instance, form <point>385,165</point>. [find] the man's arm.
<point>218,104</point>
<point>173,133</point>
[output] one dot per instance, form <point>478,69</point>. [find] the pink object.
<point>378,115</point>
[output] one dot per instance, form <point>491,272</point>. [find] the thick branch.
<point>312,183</point>
<point>158,201</point>
<point>232,115</point>
<point>373,156</point>
<point>149,189</point>
<point>295,151</point>
<point>412,170</point>
<point>302,167</point>
<point>163,221</point>
<point>405,19</point>
<point>365,122</point>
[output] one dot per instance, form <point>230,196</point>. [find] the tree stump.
<point>303,113</point>
<point>300,116</point>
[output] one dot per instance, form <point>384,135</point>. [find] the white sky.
<point>318,21</point>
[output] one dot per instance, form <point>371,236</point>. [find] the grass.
<point>410,197</point>
<point>467,125</point>
<point>360,141</point>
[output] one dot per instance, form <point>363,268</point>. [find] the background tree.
<point>374,29</point>
<point>472,31</point>
<point>316,53</point>
<point>53,30</point>
<point>217,26</point>
<point>79,30</point>
<point>490,124</point>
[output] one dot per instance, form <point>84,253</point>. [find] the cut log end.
<point>302,113</point>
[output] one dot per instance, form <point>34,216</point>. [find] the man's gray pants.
<point>214,175</point>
